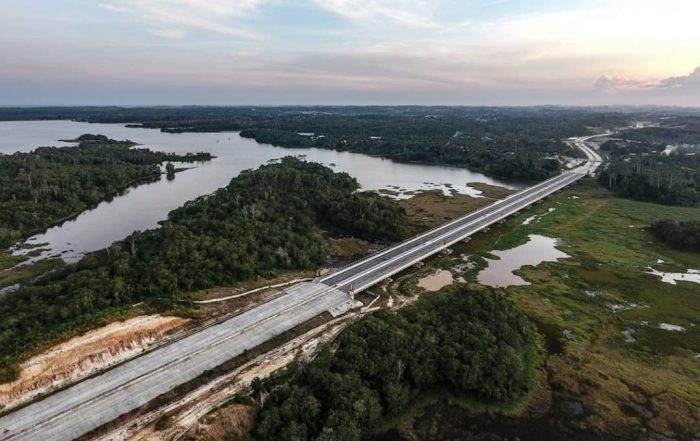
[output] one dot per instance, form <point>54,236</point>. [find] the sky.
<point>268,52</point>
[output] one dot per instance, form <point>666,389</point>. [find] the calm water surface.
<point>692,275</point>
<point>142,207</point>
<point>538,249</point>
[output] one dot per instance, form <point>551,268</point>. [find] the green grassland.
<point>627,388</point>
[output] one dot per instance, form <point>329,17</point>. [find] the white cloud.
<point>625,38</point>
<point>404,12</point>
<point>613,83</point>
<point>691,80</point>
<point>174,17</point>
<point>169,33</point>
<point>111,7</point>
<point>619,83</point>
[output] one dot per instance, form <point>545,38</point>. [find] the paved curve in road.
<point>90,404</point>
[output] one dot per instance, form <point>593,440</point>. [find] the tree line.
<point>666,179</point>
<point>466,344</point>
<point>514,143</point>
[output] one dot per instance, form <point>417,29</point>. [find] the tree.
<point>472,344</point>
<point>257,386</point>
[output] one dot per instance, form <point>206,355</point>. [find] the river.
<point>141,207</point>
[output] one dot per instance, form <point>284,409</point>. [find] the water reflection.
<point>142,207</point>
<point>692,275</point>
<point>538,249</point>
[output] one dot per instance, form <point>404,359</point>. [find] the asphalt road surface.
<point>366,272</point>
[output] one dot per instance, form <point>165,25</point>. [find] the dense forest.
<point>467,344</point>
<point>42,187</point>
<point>680,235</point>
<point>642,171</point>
<point>675,130</point>
<point>513,143</point>
<point>505,143</point>
<point>263,222</point>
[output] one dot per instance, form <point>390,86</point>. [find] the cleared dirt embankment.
<point>82,356</point>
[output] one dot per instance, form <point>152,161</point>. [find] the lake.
<point>141,207</point>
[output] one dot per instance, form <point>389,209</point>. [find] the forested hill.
<point>468,344</point>
<point>39,188</point>
<point>264,222</point>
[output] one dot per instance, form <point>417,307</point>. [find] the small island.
<point>51,184</point>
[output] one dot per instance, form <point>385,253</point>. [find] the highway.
<point>593,157</point>
<point>90,404</point>
<point>369,271</point>
<point>87,405</point>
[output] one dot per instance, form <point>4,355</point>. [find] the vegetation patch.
<point>681,235</point>
<point>491,191</point>
<point>600,313</point>
<point>432,208</point>
<point>349,247</point>
<point>476,345</point>
<point>646,167</point>
<point>11,273</point>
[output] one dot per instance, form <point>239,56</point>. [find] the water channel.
<point>141,208</point>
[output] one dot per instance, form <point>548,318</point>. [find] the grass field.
<point>429,209</point>
<point>626,388</point>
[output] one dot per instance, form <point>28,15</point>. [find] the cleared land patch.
<point>84,355</point>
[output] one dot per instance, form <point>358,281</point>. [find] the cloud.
<point>621,83</point>
<point>174,17</point>
<point>111,7</point>
<point>169,33</point>
<point>404,12</point>
<point>612,83</point>
<point>691,80</point>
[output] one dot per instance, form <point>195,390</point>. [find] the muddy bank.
<point>436,281</point>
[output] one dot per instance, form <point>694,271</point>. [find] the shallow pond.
<point>142,207</point>
<point>436,281</point>
<point>692,275</point>
<point>538,249</point>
